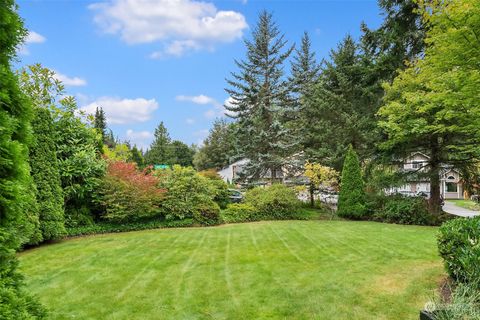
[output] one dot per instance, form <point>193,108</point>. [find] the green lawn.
<point>264,270</point>
<point>467,204</point>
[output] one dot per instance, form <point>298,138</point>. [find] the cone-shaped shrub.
<point>351,201</point>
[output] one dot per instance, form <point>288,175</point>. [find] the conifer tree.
<point>261,101</point>
<point>351,200</point>
<point>46,175</point>
<point>100,122</point>
<point>160,151</point>
<point>137,156</point>
<point>15,180</point>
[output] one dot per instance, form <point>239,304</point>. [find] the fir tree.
<point>261,101</point>
<point>46,175</point>
<point>137,156</point>
<point>160,151</point>
<point>339,110</point>
<point>15,179</point>
<point>100,122</point>
<point>351,200</point>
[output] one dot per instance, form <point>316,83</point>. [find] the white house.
<point>451,186</point>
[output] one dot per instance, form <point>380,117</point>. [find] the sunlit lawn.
<point>265,270</point>
<point>467,204</point>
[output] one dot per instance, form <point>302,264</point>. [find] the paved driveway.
<point>451,208</point>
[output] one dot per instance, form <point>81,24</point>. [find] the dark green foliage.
<point>339,110</point>
<point>351,200</point>
<point>275,202</point>
<point>16,197</point>
<point>207,214</point>
<point>400,209</point>
<point>459,245</point>
<point>160,151</point>
<point>46,175</point>
<point>238,212</point>
<point>220,188</point>
<point>111,227</point>
<point>100,124</point>
<point>182,154</point>
<point>261,102</point>
<point>137,156</point>
<point>219,148</point>
<point>80,216</point>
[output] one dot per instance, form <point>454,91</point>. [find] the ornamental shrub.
<point>46,175</point>
<point>274,202</point>
<point>207,214</point>
<point>185,191</point>
<point>238,212</point>
<point>400,209</point>
<point>127,194</point>
<point>351,200</point>
<point>220,188</point>
<point>458,243</point>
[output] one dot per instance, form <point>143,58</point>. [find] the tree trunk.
<point>435,201</point>
<point>312,200</point>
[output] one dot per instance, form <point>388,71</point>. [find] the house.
<point>451,186</point>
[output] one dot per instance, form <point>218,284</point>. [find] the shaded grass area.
<point>262,270</point>
<point>467,204</point>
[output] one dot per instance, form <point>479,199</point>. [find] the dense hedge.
<point>459,245</point>
<point>109,227</point>
<point>238,212</point>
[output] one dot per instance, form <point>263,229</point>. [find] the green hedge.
<point>459,245</point>
<point>238,212</point>
<point>276,202</point>
<point>104,227</point>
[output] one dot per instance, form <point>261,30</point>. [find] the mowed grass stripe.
<point>264,270</point>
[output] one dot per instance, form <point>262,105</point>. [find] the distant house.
<point>451,186</point>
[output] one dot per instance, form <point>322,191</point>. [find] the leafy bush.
<point>186,191</point>
<point>207,214</point>
<point>127,194</point>
<point>459,245</point>
<point>111,227</point>
<point>351,200</point>
<point>400,209</point>
<point>238,212</point>
<point>80,216</point>
<point>220,188</point>
<point>275,202</point>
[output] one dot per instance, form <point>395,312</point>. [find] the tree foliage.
<point>46,175</point>
<point>351,200</point>
<point>160,151</point>
<point>433,106</point>
<point>219,148</point>
<point>15,180</point>
<point>261,101</point>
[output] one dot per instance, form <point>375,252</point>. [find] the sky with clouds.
<point>146,61</point>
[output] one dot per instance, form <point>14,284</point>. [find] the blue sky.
<point>146,61</point>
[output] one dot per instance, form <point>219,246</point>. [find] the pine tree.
<point>15,179</point>
<point>137,156</point>
<point>351,200</point>
<point>261,102</point>
<point>160,151</point>
<point>46,175</point>
<point>339,110</point>
<point>304,68</point>
<point>100,122</point>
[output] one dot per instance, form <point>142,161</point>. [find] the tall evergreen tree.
<point>15,180</point>
<point>351,200</point>
<point>219,148</point>
<point>339,110</point>
<point>160,151</point>
<point>100,124</point>
<point>261,101</point>
<point>304,68</point>
<point>46,175</point>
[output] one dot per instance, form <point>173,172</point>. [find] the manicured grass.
<point>467,204</point>
<point>263,270</point>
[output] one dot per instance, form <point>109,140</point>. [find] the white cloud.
<point>141,139</point>
<point>200,99</point>
<point>180,25</point>
<point>32,37</point>
<point>190,121</point>
<point>122,111</point>
<point>68,81</point>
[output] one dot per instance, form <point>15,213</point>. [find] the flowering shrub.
<point>127,194</point>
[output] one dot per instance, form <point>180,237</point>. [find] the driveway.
<point>451,208</point>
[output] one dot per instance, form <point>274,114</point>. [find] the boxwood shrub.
<point>238,212</point>
<point>207,214</point>
<point>459,245</point>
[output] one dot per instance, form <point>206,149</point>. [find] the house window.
<point>451,187</point>
<point>416,164</point>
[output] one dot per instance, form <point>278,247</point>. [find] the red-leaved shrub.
<point>127,194</point>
